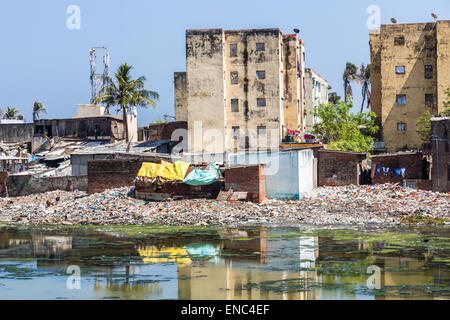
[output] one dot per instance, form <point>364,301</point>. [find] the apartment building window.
<point>401,126</point>
<point>233,49</point>
<point>429,100</point>
<point>234,77</point>
<point>260,46</point>
<point>400,69</point>
<point>428,72</point>
<point>399,41</point>
<point>401,99</point>
<point>234,105</point>
<point>261,130</point>
<point>429,42</point>
<point>235,133</point>
<point>261,102</point>
<point>260,75</point>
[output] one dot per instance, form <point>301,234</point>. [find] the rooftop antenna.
<point>98,80</point>
<point>435,16</point>
<point>393,20</point>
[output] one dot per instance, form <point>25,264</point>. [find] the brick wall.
<point>338,168</point>
<point>163,131</point>
<point>250,179</point>
<point>109,174</point>
<point>412,162</point>
<point>23,185</point>
<point>440,128</point>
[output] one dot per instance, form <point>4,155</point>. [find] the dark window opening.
<point>261,130</point>
<point>260,46</point>
<point>399,41</point>
<point>429,42</point>
<point>401,126</point>
<point>261,102</point>
<point>234,105</point>
<point>260,75</point>
<point>400,99</point>
<point>428,72</point>
<point>429,100</point>
<point>400,69</point>
<point>235,133</point>
<point>247,142</point>
<point>234,77</point>
<point>233,50</point>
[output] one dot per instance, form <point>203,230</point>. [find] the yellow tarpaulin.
<point>171,254</point>
<point>172,171</point>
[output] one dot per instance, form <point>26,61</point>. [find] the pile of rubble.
<point>361,205</point>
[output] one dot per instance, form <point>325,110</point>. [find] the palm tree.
<point>38,108</point>
<point>349,75</point>
<point>334,98</point>
<point>10,113</point>
<point>126,93</point>
<point>363,77</point>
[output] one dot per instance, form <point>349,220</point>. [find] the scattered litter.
<point>380,204</point>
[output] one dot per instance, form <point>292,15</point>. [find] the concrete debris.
<point>362,205</point>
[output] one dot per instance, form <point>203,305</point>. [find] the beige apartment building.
<point>240,89</point>
<point>316,93</point>
<point>410,72</point>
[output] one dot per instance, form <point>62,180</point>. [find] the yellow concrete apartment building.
<point>410,72</point>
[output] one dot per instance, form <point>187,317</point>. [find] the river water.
<point>159,262</point>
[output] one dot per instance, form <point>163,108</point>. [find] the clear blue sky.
<point>42,59</point>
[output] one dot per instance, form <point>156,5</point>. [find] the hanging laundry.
<point>378,170</point>
<point>385,171</point>
<point>400,172</point>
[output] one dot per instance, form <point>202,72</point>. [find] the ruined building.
<point>240,88</point>
<point>316,93</point>
<point>410,70</point>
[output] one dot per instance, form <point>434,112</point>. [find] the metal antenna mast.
<point>98,80</point>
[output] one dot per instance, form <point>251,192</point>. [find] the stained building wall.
<point>249,89</point>
<point>205,67</point>
<point>180,87</point>
<point>17,132</point>
<point>316,93</point>
<point>412,46</point>
<point>94,128</point>
<point>223,90</point>
<point>293,77</point>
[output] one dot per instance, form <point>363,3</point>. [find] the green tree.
<point>333,98</point>
<point>344,130</point>
<point>126,93</point>
<point>11,113</point>
<point>423,124</point>
<point>350,74</point>
<point>38,108</point>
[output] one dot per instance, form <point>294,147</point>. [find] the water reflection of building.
<point>259,268</point>
<point>255,263</point>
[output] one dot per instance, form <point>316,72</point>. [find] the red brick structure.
<point>160,131</point>
<point>177,190</point>
<point>338,168</point>
<point>414,163</point>
<point>115,173</point>
<point>250,179</point>
<point>440,146</point>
